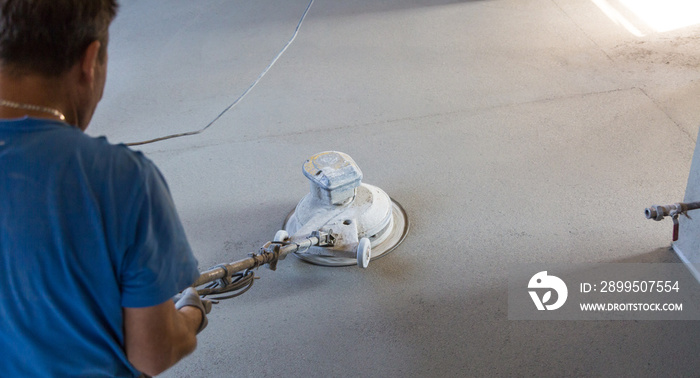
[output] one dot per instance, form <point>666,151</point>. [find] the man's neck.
<point>36,95</point>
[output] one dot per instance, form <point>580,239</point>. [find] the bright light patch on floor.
<point>651,15</point>
<point>617,17</point>
<point>665,15</point>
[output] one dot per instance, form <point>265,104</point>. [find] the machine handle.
<point>270,253</point>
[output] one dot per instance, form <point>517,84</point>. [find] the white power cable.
<point>243,95</point>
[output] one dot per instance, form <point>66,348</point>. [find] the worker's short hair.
<point>49,36</point>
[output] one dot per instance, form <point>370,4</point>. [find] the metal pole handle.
<point>270,253</point>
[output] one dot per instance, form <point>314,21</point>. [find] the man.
<point>91,247</point>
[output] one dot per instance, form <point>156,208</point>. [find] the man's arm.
<point>157,337</point>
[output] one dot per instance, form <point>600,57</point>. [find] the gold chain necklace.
<point>37,108</point>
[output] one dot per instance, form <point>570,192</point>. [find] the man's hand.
<point>191,298</point>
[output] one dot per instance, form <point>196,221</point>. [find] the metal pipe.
<point>658,212</point>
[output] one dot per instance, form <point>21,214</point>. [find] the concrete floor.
<point>512,131</point>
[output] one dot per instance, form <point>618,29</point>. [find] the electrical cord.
<point>243,95</point>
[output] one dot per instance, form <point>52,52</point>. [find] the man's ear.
<point>89,60</point>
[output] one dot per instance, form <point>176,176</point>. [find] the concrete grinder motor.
<point>340,222</point>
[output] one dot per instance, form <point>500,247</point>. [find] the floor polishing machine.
<point>340,222</point>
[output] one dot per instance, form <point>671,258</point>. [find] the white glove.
<point>191,298</point>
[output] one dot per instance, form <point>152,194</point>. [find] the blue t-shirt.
<point>86,228</point>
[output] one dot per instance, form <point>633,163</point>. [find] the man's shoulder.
<point>60,139</point>
<point>104,163</point>
<point>105,156</point>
